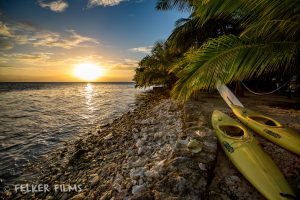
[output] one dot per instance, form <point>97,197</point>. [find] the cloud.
<point>26,33</point>
<point>5,30</point>
<point>30,58</point>
<point>126,64</point>
<point>146,49</point>
<point>55,6</point>
<point>51,39</point>
<point>6,45</point>
<point>21,39</point>
<point>104,3</point>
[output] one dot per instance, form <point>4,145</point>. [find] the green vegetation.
<point>154,69</point>
<point>224,40</point>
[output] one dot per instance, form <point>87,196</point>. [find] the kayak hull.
<point>246,154</point>
<point>269,128</point>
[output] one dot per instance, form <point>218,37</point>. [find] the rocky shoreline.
<point>161,150</point>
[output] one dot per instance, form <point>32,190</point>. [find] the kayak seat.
<point>263,120</point>
<point>233,131</point>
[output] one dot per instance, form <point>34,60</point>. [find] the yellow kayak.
<point>246,154</point>
<point>269,128</point>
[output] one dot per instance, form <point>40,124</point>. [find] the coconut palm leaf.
<point>230,58</point>
<point>190,33</point>
<point>181,5</point>
<point>249,11</point>
<point>265,29</point>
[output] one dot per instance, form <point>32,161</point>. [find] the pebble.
<point>65,196</point>
<point>49,197</point>
<point>202,166</point>
<point>135,130</point>
<point>79,196</point>
<point>108,137</point>
<point>136,173</point>
<point>95,180</point>
<point>106,195</point>
<point>117,184</point>
<point>152,173</point>
<point>140,150</point>
<point>138,188</point>
<point>139,143</point>
<point>194,146</point>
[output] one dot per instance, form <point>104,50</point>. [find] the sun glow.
<point>88,71</point>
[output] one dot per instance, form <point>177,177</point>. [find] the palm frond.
<point>273,29</point>
<point>230,58</point>
<point>248,11</point>
<point>181,5</point>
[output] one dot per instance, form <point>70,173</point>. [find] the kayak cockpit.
<point>265,121</point>
<point>232,131</point>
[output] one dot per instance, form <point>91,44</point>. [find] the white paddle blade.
<point>227,95</point>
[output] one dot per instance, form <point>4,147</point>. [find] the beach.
<point>121,99</point>
<point>160,150</point>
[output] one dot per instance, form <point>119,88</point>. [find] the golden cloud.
<point>21,34</point>
<point>5,30</point>
<point>55,6</point>
<point>146,49</point>
<point>104,2</point>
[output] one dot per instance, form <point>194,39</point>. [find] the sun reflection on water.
<point>89,96</point>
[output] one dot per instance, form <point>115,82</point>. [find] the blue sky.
<point>44,39</point>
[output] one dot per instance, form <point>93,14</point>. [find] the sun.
<point>88,71</point>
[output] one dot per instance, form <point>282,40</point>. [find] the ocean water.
<point>36,118</point>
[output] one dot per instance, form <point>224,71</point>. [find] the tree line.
<point>223,40</point>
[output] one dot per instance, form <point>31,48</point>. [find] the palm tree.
<point>154,69</point>
<point>268,44</point>
<point>190,33</point>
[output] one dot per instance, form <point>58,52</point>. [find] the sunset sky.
<point>48,40</point>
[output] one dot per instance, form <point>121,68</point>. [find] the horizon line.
<point>67,82</point>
